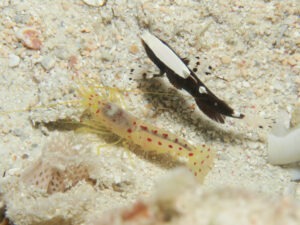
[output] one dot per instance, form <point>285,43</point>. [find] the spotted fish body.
<point>149,137</point>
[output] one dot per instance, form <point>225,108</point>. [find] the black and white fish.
<point>182,77</point>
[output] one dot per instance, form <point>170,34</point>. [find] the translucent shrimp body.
<point>149,137</point>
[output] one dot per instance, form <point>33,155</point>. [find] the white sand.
<point>253,45</point>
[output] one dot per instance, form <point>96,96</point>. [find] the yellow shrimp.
<point>105,115</point>
<point>150,138</point>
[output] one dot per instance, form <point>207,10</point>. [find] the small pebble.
<point>291,61</point>
<point>246,84</point>
<point>253,145</point>
<point>297,41</point>
<point>72,61</point>
<point>13,60</point>
<point>29,38</point>
<point>226,59</point>
<point>48,62</point>
<point>14,157</point>
<point>297,57</point>
<point>18,132</point>
<point>106,56</point>
<point>25,156</point>
<point>259,92</point>
<point>133,49</point>
<point>62,53</point>
<point>96,3</point>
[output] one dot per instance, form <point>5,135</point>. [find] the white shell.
<point>166,55</point>
<point>284,149</point>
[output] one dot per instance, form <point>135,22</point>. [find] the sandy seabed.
<point>246,52</point>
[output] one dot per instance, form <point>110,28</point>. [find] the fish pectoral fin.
<point>210,112</point>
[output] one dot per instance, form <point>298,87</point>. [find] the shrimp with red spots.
<point>149,137</point>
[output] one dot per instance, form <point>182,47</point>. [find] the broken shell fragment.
<point>48,62</point>
<point>13,60</point>
<point>29,38</point>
